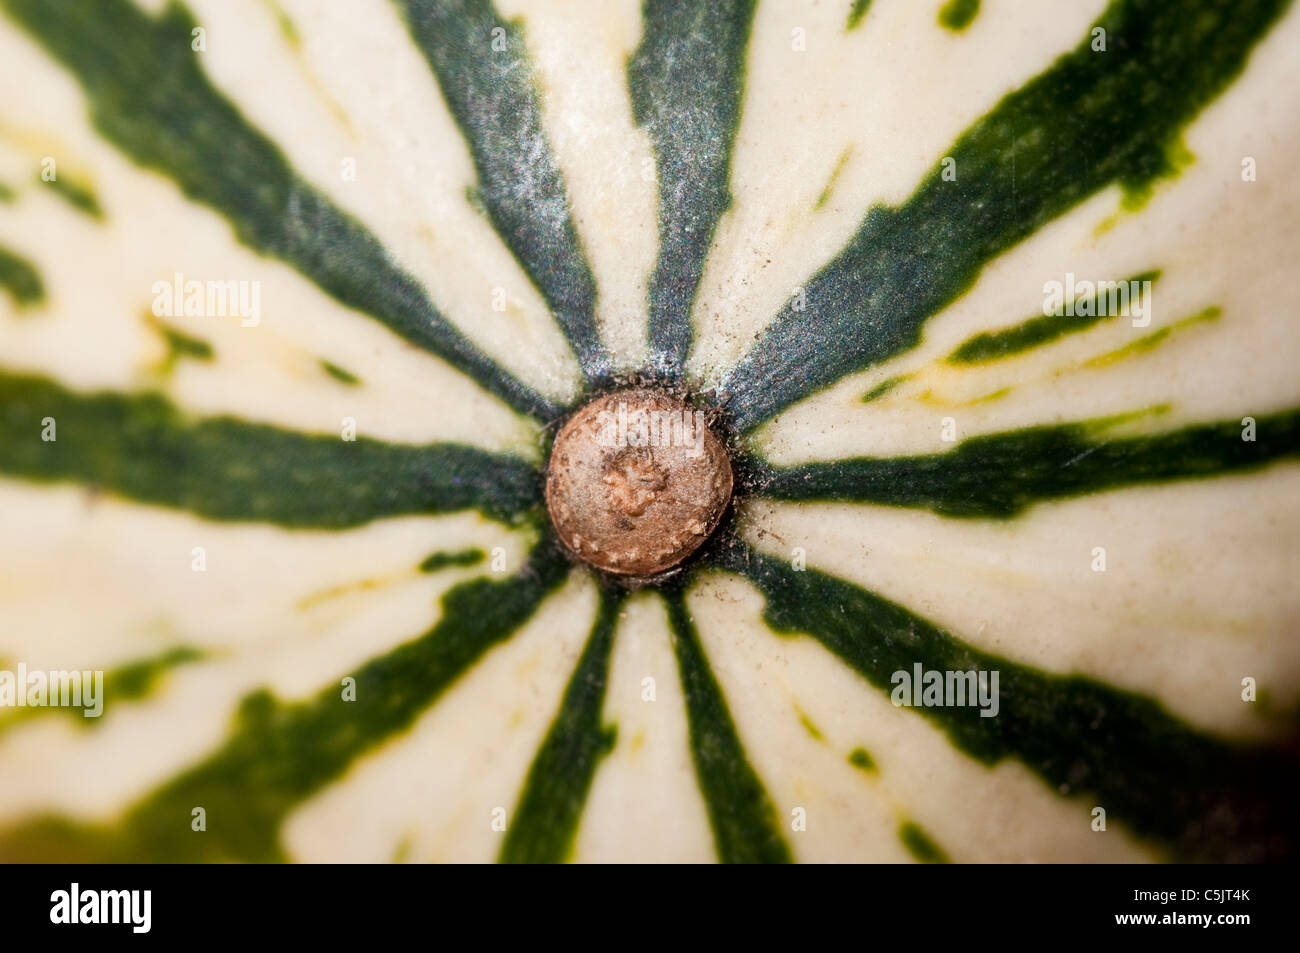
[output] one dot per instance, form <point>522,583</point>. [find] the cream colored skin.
<point>1197,595</point>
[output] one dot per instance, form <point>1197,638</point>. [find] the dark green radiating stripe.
<point>686,82</point>
<point>143,447</point>
<point>1001,474</point>
<point>148,95</point>
<point>1210,800</point>
<point>1091,120</point>
<point>493,96</point>
<point>130,681</point>
<point>20,279</point>
<point>1039,330</point>
<point>545,822</point>
<point>280,754</point>
<point>744,822</point>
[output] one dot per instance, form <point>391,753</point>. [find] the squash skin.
<point>288,754</point>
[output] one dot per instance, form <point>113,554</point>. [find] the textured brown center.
<point>637,482</point>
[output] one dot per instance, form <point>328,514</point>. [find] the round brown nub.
<point>637,482</point>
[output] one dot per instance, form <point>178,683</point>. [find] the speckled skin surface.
<point>459,237</point>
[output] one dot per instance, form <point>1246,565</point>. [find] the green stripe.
<point>280,754</point>
<point>836,172</point>
<point>881,389</point>
<point>179,344</point>
<point>285,23</point>
<point>129,682</point>
<point>492,93</point>
<point>1153,340</point>
<point>20,279</point>
<point>857,11</point>
<point>686,81</point>
<point>79,195</point>
<point>342,375</point>
<point>744,822</point>
<point>1093,119</point>
<point>999,475</point>
<point>1041,329</point>
<point>446,560</point>
<point>545,822</point>
<point>143,447</point>
<point>1208,799</point>
<point>148,95</point>
<point>919,844</point>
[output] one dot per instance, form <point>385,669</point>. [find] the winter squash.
<point>878,246</point>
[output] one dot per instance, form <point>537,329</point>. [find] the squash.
<point>879,245</point>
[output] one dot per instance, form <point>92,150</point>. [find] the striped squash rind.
<point>309,551</point>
